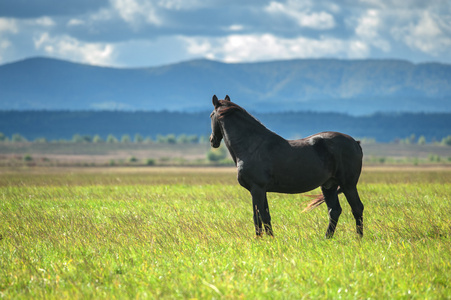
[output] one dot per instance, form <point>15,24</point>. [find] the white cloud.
<point>103,14</point>
<point>241,48</point>
<point>8,25</point>
<point>4,45</point>
<point>137,12</point>
<point>181,4</point>
<point>368,27</point>
<point>401,4</point>
<point>430,34</point>
<point>67,47</point>
<point>41,40</point>
<point>235,27</point>
<point>300,12</point>
<point>368,24</point>
<point>357,49</point>
<point>320,20</point>
<point>44,21</point>
<point>75,22</point>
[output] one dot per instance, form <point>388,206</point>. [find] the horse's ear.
<point>215,100</point>
<point>227,98</point>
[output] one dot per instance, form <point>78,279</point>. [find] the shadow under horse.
<point>266,162</point>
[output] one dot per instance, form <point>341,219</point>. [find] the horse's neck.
<point>243,134</point>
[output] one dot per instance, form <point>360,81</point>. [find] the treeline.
<point>62,125</point>
<point>111,138</point>
<point>187,139</point>
<point>412,139</point>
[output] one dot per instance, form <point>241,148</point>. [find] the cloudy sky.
<point>138,33</point>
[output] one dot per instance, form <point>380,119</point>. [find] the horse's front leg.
<point>261,212</point>
<point>257,221</point>
<point>267,219</point>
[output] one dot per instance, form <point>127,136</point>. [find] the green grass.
<point>188,233</point>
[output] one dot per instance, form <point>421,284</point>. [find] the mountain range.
<point>356,87</point>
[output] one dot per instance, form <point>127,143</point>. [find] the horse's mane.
<point>228,107</point>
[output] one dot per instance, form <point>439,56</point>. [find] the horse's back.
<point>336,143</point>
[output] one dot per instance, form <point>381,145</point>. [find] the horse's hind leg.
<point>352,195</point>
<point>334,209</point>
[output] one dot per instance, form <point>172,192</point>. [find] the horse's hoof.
<point>329,236</point>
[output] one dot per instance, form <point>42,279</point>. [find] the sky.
<point>145,33</point>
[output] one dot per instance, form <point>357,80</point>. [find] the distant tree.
<point>193,139</point>
<point>161,138</point>
<point>397,141</point>
<point>17,138</point>
<point>422,140</point>
<point>171,139</point>
<point>126,139</point>
<point>41,140</point>
<point>446,141</point>
<point>434,158</point>
<point>111,139</point>
<point>368,141</point>
<point>77,138</point>
<point>27,157</point>
<point>409,140</point>
<point>2,137</point>
<point>132,159</point>
<point>138,138</point>
<point>150,162</point>
<point>182,139</point>
<point>204,139</point>
<point>97,139</point>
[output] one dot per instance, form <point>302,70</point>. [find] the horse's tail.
<point>318,201</point>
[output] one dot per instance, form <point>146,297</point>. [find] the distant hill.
<point>325,85</point>
<point>54,125</point>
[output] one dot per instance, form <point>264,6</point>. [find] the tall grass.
<point>168,235</point>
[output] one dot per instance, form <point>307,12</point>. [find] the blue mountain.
<point>354,87</point>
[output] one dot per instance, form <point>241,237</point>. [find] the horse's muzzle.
<point>214,142</point>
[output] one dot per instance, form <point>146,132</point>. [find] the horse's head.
<point>216,132</point>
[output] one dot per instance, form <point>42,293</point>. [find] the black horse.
<point>267,162</point>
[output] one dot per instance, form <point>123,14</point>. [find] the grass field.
<point>188,233</point>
